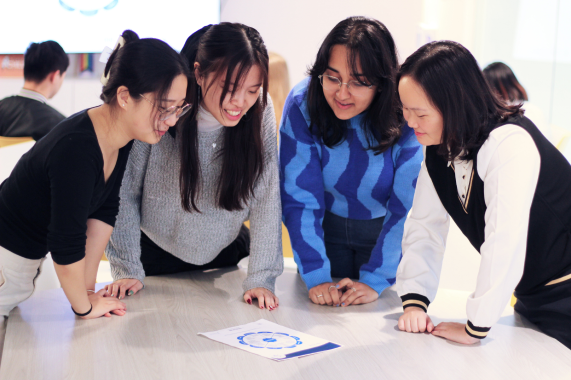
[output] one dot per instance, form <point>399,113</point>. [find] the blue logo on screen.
<point>88,7</point>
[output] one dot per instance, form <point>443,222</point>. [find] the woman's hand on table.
<point>124,287</point>
<point>265,298</point>
<point>415,319</point>
<point>327,293</point>
<point>104,306</point>
<point>356,293</point>
<point>455,332</point>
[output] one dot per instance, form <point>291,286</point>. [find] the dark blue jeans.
<point>349,243</point>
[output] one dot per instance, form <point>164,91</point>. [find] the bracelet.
<point>84,314</point>
<point>92,291</point>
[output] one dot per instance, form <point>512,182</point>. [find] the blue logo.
<point>269,340</point>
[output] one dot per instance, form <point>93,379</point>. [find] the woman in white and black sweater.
<point>184,201</point>
<point>507,188</point>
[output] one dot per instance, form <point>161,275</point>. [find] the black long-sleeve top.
<point>54,189</point>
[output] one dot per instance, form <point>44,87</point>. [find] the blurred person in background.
<point>27,114</point>
<point>504,84</point>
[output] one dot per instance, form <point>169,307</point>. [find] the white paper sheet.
<point>271,340</point>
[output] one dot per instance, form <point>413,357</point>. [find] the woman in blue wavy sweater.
<point>348,166</point>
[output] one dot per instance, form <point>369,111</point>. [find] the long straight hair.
<point>371,45</point>
<point>451,78</point>
<point>229,48</point>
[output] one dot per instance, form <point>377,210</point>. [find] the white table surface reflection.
<point>157,338</point>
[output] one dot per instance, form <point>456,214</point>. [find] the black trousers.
<point>157,261</point>
<point>549,309</point>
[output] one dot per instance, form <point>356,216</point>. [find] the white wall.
<point>296,28</point>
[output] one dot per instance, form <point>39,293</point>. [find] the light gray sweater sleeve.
<point>124,248</point>
<point>266,257</point>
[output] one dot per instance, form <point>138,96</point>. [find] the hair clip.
<point>106,53</point>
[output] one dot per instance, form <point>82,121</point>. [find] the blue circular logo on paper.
<point>269,340</point>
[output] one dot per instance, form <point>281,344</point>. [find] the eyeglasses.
<point>167,113</point>
<point>355,87</point>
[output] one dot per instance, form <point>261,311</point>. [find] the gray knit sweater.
<point>151,202</point>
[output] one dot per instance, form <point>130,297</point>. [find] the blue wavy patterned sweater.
<point>348,181</point>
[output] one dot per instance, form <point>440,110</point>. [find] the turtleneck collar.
<point>206,122</point>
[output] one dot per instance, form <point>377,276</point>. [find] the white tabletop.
<point>9,156</point>
<point>157,338</point>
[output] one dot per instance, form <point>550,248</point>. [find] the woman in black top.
<point>63,195</point>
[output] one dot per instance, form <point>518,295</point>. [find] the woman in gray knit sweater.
<point>185,199</point>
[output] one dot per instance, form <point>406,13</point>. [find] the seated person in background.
<point>184,201</point>
<point>349,165</point>
<point>507,188</point>
<point>503,82</point>
<point>27,113</point>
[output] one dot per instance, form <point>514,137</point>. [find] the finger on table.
<point>421,324</point>
<point>429,325</point>
<point>348,293</point>
<point>320,299</point>
<point>270,304</point>
<point>122,291</point>
<point>248,297</point>
<point>353,295</point>
<point>407,325</point>
<point>414,324</point>
<point>401,323</point>
<point>313,298</point>
<point>346,282</point>
<point>327,298</point>
<point>135,288</point>
<point>334,294</point>
<point>261,300</point>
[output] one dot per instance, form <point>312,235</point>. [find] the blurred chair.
<point>278,87</point>
<point>6,141</point>
<point>560,137</point>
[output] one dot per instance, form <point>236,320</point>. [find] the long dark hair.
<point>370,44</point>
<point>503,82</point>
<point>143,66</point>
<point>231,48</point>
<point>449,75</point>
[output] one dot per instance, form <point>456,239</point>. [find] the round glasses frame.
<point>167,113</point>
<point>352,84</point>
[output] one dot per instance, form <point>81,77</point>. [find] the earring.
<point>123,105</point>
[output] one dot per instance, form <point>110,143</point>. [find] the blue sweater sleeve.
<point>302,194</point>
<point>380,272</point>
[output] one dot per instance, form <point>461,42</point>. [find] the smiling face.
<point>344,104</point>
<point>233,106</point>
<point>419,112</point>
<point>144,117</point>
